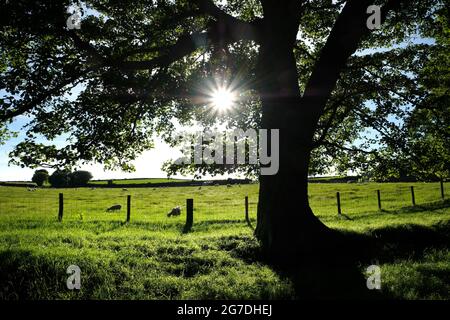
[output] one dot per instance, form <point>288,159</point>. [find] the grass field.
<point>150,257</point>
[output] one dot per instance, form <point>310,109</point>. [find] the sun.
<point>223,99</point>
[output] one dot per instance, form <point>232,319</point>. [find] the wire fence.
<point>219,204</point>
<point>112,205</point>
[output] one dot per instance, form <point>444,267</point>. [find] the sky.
<point>148,165</point>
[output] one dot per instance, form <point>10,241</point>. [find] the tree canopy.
<point>424,150</point>
<point>140,64</point>
<point>40,177</point>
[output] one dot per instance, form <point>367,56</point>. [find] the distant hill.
<point>334,179</point>
<point>18,184</point>
<point>138,181</point>
<point>160,182</point>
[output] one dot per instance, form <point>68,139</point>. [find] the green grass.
<point>150,258</point>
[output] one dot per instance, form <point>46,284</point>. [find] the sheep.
<point>175,211</point>
<point>124,189</point>
<point>114,208</point>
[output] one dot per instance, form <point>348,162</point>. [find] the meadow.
<point>151,258</point>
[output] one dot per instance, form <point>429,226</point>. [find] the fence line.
<point>70,206</point>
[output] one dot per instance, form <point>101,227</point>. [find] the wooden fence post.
<point>189,215</point>
<point>442,189</point>
<point>338,197</point>
<point>128,208</point>
<point>379,199</point>
<point>61,207</point>
<point>412,196</point>
<point>247,219</point>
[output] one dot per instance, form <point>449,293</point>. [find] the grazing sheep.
<point>175,212</point>
<point>114,208</point>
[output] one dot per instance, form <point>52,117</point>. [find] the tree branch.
<point>8,115</point>
<point>234,28</point>
<point>227,29</point>
<point>185,45</point>
<point>349,29</point>
<point>334,107</point>
<point>352,149</point>
<point>208,7</point>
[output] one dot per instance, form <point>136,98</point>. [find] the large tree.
<point>140,64</point>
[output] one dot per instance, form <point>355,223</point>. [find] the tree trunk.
<point>286,226</point>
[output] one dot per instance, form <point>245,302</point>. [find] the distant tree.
<point>60,179</point>
<point>80,178</point>
<point>40,177</point>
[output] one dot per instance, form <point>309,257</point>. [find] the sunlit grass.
<point>150,258</point>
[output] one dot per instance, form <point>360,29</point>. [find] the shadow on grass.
<point>426,207</point>
<point>433,206</point>
<point>331,272</point>
<point>335,271</point>
<point>344,216</point>
<point>209,225</point>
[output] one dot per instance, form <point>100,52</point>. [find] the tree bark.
<point>286,226</point>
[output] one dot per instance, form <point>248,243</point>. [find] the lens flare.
<point>223,99</point>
